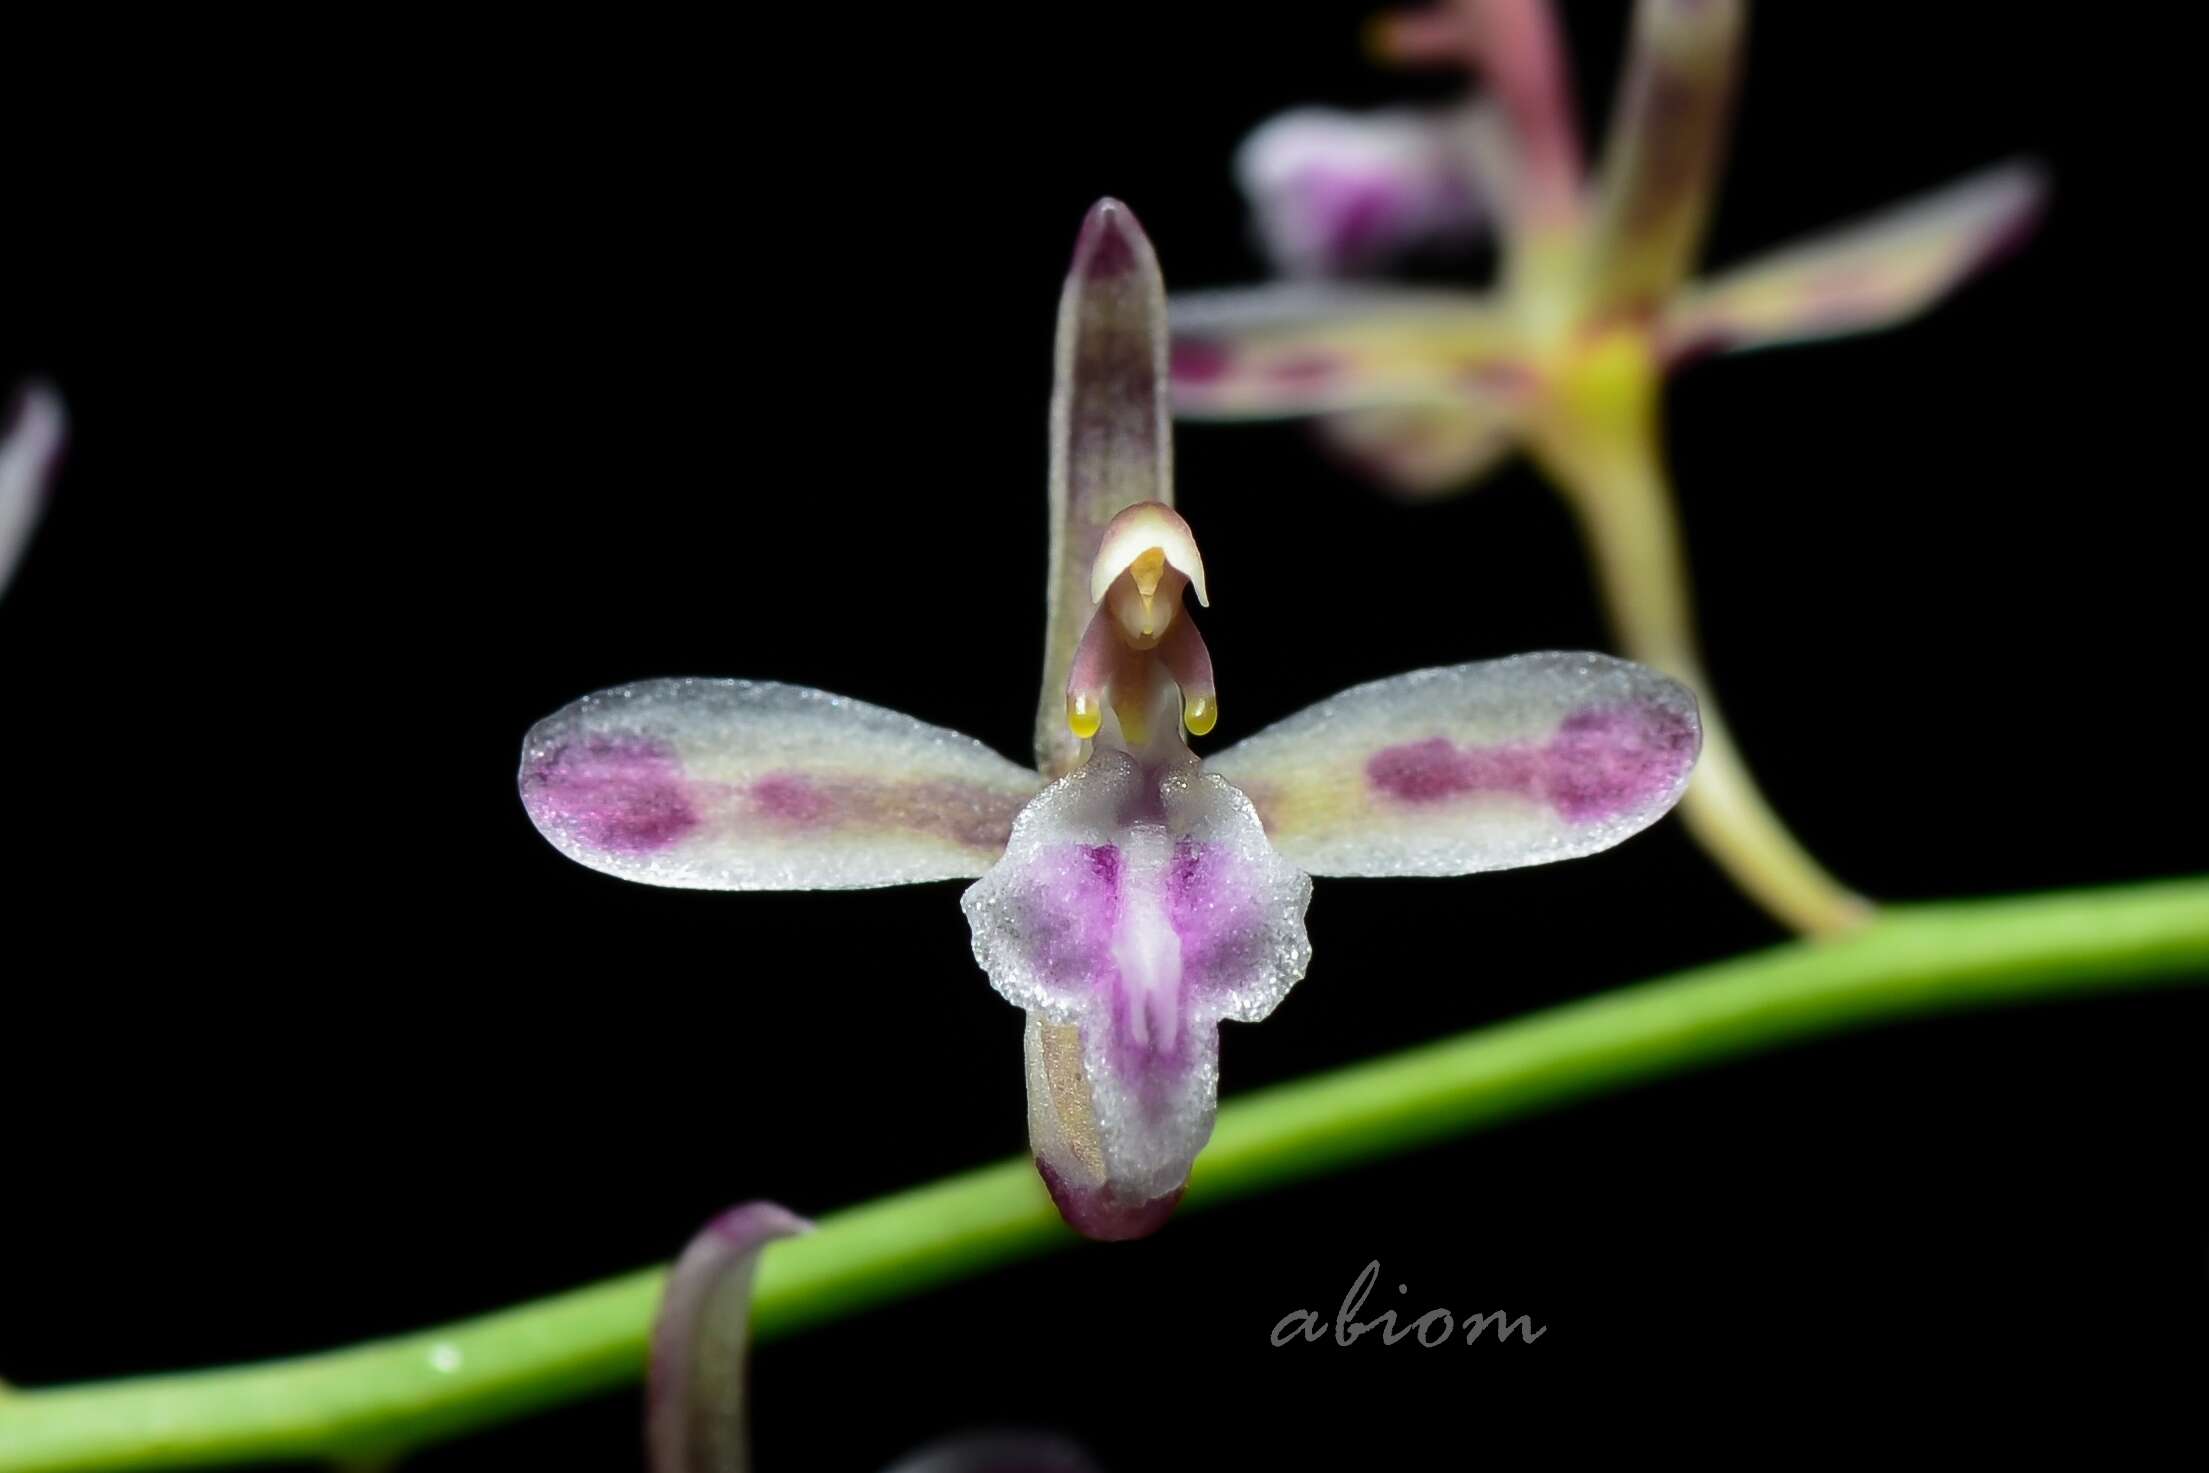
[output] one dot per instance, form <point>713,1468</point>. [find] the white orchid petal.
<point>1476,767</point>
<point>754,785</point>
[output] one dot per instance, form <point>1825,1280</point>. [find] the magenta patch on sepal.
<point>1102,1213</point>
<point>1599,764</point>
<point>624,797</point>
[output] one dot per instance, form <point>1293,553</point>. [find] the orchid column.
<point>1430,389</point>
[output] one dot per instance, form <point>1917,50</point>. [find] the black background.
<point>424,379</point>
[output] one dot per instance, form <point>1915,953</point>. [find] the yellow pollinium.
<point>1084,717</point>
<point>1200,715</point>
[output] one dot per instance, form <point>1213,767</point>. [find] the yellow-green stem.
<point>1603,451</point>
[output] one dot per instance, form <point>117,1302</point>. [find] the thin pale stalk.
<point>414,1389</point>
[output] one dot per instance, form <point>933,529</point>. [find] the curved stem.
<point>390,1395</point>
<point>1610,466</point>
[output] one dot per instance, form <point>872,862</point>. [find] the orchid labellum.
<point>1130,896</point>
<point>1565,357</point>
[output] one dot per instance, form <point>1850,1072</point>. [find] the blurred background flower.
<point>1563,359</point>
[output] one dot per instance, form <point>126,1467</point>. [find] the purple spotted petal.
<point>1135,909</point>
<point>751,785</point>
<point>999,1452</point>
<point>1869,275</point>
<point>27,455</point>
<point>1471,767</point>
<point>1111,435</point>
<point>1335,192</point>
<point>694,1417</point>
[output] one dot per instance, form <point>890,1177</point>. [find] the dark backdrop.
<point>426,378</point>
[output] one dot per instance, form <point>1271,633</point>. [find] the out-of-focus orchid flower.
<point>1566,356</point>
<point>695,1417</point>
<point>1335,191</point>
<point>1130,896</point>
<point>28,452</point>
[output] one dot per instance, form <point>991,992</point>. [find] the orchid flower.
<point>28,452</point>
<point>1129,895</point>
<point>695,1387</point>
<point>1565,357</point>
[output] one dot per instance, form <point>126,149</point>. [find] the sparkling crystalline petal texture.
<point>1335,192</point>
<point>694,1418</point>
<point>753,785</point>
<point>1136,907</point>
<point>27,456</point>
<point>1471,767</point>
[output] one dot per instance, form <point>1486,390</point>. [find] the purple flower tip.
<point>1102,1214</point>
<point>1106,247</point>
<point>694,1417</point>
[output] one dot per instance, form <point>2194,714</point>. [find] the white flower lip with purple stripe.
<point>1131,896</point>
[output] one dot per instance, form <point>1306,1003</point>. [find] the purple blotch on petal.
<point>1074,906</point>
<point>1435,769</point>
<point>1196,361</point>
<point>1600,763</point>
<point>791,798</point>
<point>1303,370</point>
<point>621,796</point>
<point>1216,913</point>
<point>1614,759</point>
<point>1105,860</point>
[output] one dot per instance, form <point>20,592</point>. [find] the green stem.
<point>395,1394</point>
